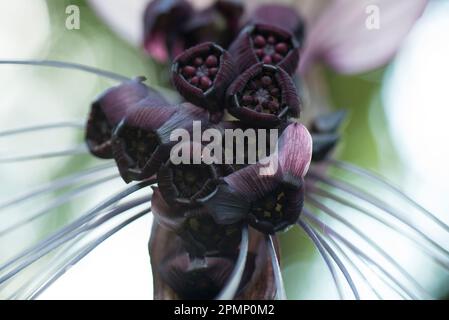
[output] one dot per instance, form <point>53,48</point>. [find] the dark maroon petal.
<point>219,23</point>
<point>250,182</point>
<point>202,73</point>
<point>227,206</point>
<point>184,118</point>
<point>325,134</point>
<point>281,16</point>
<point>264,96</point>
<point>163,20</point>
<point>295,151</point>
<point>268,44</point>
<point>170,217</point>
<point>137,148</point>
<point>232,10</point>
<point>323,144</point>
<point>329,123</point>
<point>110,108</point>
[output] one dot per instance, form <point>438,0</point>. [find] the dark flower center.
<point>270,47</point>
<point>262,94</point>
<point>214,237</point>
<point>271,208</point>
<point>190,179</point>
<point>139,144</point>
<point>201,70</point>
<point>100,130</point>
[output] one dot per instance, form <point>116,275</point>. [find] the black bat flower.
<point>263,96</point>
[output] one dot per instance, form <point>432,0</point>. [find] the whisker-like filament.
<point>313,201</point>
<point>337,260</point>
<point>58,202</point>
<point>30,255</point>
<point>324,255</point>
<point>68,65</point>
<point>280,289</point>
<point>353,265</point>
<point>377,178</point>
<point>331,232</point>
<point>55,185</point>
<point>405,232</point>
<point>354,191</point>
<point>63,262</point>
<point>379,275</point>
<point>78,150</point>
<point>85,251</point>
<point>41,127</point>
<point>233,283</point>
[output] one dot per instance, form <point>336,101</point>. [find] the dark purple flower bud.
<point>270,200</point>
<point>163,21</point>
<point>141,142</point>
<point>264,95</point>
<point>325,134</point>
<point>281,16</point>
<point>202,73</point>
<point>268,44</point>
<point>110,108</point>
<point>218,23</point>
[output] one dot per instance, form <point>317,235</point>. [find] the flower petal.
<point>295,151</point>
<point>282,16</point>
<point>342,38</point>
<point>162,20</point>
<point>110,108</point>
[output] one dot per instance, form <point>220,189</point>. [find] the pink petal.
<point>295,150</point>
<point>341,38</point>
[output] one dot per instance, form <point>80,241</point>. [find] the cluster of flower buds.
<point>244,69</point>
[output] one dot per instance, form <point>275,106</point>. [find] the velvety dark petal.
<point>268,44</point>
<point>170,217</point>
<point>329,123</point>
<point>219,23</point>
<point>264,96</point>
<point>202,73</point>
<point>232,10</point>
<point>183,118</point>
<point>163,20</point>
<point>137,148</point>
<point>323,144</point>
<point>282,16</point>
<point>290,96</point>
<point>227,206</point>
<point>295,151</point>
<point>251,183</point>
<point>110,108</point>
